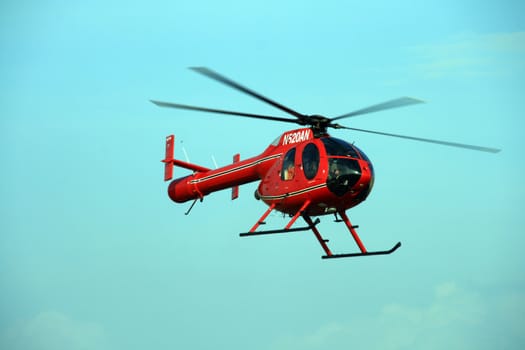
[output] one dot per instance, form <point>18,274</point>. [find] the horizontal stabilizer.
<point>169,161</point>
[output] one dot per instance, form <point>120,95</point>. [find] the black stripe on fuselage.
<point>295,193</point>
<point>226,172</point>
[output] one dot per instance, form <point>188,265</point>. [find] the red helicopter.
<point>303,173</point>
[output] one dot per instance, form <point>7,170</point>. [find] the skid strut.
<point>252,232</point>
<point>358,241</point>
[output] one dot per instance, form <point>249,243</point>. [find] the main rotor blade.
<point>216,76</point>
<point>221,111</point>
<point>445,143</point>
<point>398,102</point>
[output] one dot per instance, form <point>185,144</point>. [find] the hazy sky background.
<point>94,255</point>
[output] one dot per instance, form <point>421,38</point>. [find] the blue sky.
<point>94,255</point>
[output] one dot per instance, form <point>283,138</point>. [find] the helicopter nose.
<point>343,175</point>
<point>366,182</point>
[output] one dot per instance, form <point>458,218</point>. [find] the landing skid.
<point>383,252</point>
<point>312,225</point>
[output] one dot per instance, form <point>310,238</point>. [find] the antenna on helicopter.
<point>214,161</point>
<point>184,151</point>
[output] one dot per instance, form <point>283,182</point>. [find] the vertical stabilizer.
<point>168,161</point>
<point>235,189</point>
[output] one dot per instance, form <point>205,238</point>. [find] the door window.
<point>310,161</point>
<point>288,170</point>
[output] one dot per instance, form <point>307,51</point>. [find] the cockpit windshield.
<point>337,147</point>
<point>362,154</point>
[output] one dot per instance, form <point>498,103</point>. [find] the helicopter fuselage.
<point>330,173</point>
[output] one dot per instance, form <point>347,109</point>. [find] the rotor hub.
<point>318,124</point>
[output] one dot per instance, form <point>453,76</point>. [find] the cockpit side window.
<point>310,160</point>
<point>288,169</point>
<point>336,147</point>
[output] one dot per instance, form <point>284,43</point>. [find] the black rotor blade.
<point>221,111</point>
<point>216,76</point>
<point>398,102</point>
<point>445,143</point>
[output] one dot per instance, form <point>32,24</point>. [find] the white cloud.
<point>455,319</point>
<point>53,331</point>
<point>472,55</point>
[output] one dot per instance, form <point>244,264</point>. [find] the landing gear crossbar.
<point>269,232</point>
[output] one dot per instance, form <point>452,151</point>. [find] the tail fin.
<point>235,189</point>
<point>169,161</point>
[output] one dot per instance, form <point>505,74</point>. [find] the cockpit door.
<point>310,161</point>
